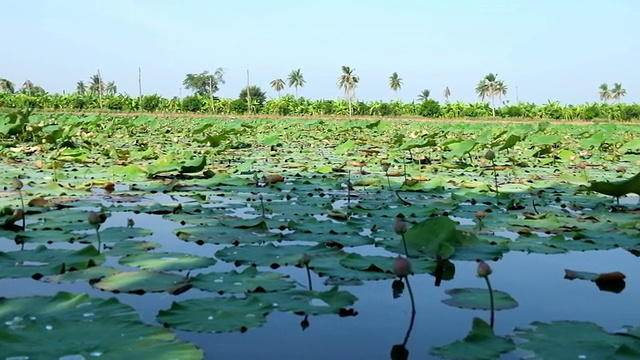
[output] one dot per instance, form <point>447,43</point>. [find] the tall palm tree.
<point>605,93</point>
<point>395,83</point>
<point>96,85</point>
<point>617,92</point>
<point>489,87</point>
<point>446,93</point>
<point>277,85</point>
<point>7,86</point>
<point>28,87</point>
<point>348,82</point>
<point>81,88</point>
<point>424,95</point>
<point>111,88</point>
<point>296,80</point>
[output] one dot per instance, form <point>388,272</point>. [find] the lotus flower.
<point>401,267</point>
<point>400,227</point>
<point>484,269</point>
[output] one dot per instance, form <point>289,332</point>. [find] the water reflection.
<point>399,351</point>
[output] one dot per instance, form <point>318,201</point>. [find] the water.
<point>535,281</point>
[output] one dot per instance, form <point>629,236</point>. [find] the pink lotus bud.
<point>94,218</point>
<point>400,226</point>
<point>480,214</point>
<point>17,184</point>
<point>401,267</point>
<point>490,155</point>
<point>484,269</point>
<point>305,259</point>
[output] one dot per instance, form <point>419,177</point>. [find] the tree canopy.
<point>204,83</point>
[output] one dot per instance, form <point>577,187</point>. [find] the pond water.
<point>534,280</point>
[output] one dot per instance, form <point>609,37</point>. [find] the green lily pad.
<point>310,302</point>
<point>216,314</point>
<point>69,324</point>
<point>221,234</point>
<point>91,274</point>
<point>43,261</point>
<point>480,343</point>
<point>572,340</point>
<point>249,280</point>
<point>130,247</point>
<point>479,299</point>
<point>140,282</point>
<point>117,234</point>
<point>272,255</point>
<point>167,261</point>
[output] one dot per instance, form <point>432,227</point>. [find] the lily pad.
<point>310,302</point>
<point>43,261</point>
<point>479,299</point>
<point>216,314</point>
<point>272,255</point>
<point>77,325</point>
<point>167,261</point>
<point>249,280</point>
<point>140,282</point>
<point>480,343</point>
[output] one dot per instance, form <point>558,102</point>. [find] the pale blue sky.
<point>550,49</point>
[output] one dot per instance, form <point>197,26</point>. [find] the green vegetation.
<point>306,197</point>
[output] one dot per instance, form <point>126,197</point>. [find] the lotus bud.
<point>17,184</point>
<point>94,218</point>
<point>490,155</point>
<point>401,267</point>
<point>582,165</point>
<point>305,259</point>
<point>484,269</point>
<point>480,214</point>
<point>385,167</point>
<point>400,227</point>
<point>109,187</point>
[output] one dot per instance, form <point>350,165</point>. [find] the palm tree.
<point>296,80</point>
<point>277,85</point>
<point>424,95</point>
<point>489,87</point>
<point>7,86</point>
<point>111,88</point>
<point>348,81</point>
<point>446,93</point>
<point>605,93</point>
<point>617,92</point>
<point>28,87</point>
<point>81,88</point>
<point>96,85</point>
<point>395,83</point>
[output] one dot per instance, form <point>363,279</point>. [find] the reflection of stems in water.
<point>99,240</point>
<point>413,311</point>
<point>24,221</point>
<point>309,277</point>
<point>486,278</point>
<point>262,205</point>
<point>439,273</point>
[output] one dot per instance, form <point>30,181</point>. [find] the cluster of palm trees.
<point>96,86</point>
<point>615,93</point>
<point>490,87</point>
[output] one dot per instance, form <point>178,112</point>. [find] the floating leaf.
<point>249,280</point>
<point>480,343</point>
<point>140,282</point>
<point>167,261</point>
<point>479,299</point>
<point>310,302</point>
<point>216,314</point>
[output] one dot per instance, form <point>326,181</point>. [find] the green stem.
<point>24,221</point>
<point>495,178</point>
<point>388,179</point>
<point>99,240</point>
<point>404,244</point>
<point>262,206</point>
<point>309,277</point>
<point>486,278</point>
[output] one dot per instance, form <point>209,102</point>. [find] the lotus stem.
<point>309,277</point>
<point>262,206</point>
<point>413,311</point>
<point>492,319</point>
<point>388,179</point>
<point>404,244</point>
<point>99,240</point>
<point>349,190</point>
<point>495,179</point>
<point>24,221</point>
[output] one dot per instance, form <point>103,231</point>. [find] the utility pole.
<point>248,94</point>
<point>140,88</point>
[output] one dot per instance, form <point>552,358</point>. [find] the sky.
<point>542,49</point>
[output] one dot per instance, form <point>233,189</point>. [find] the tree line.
<point>99,94</point>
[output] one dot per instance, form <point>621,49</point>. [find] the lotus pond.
<point>125,237</point>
